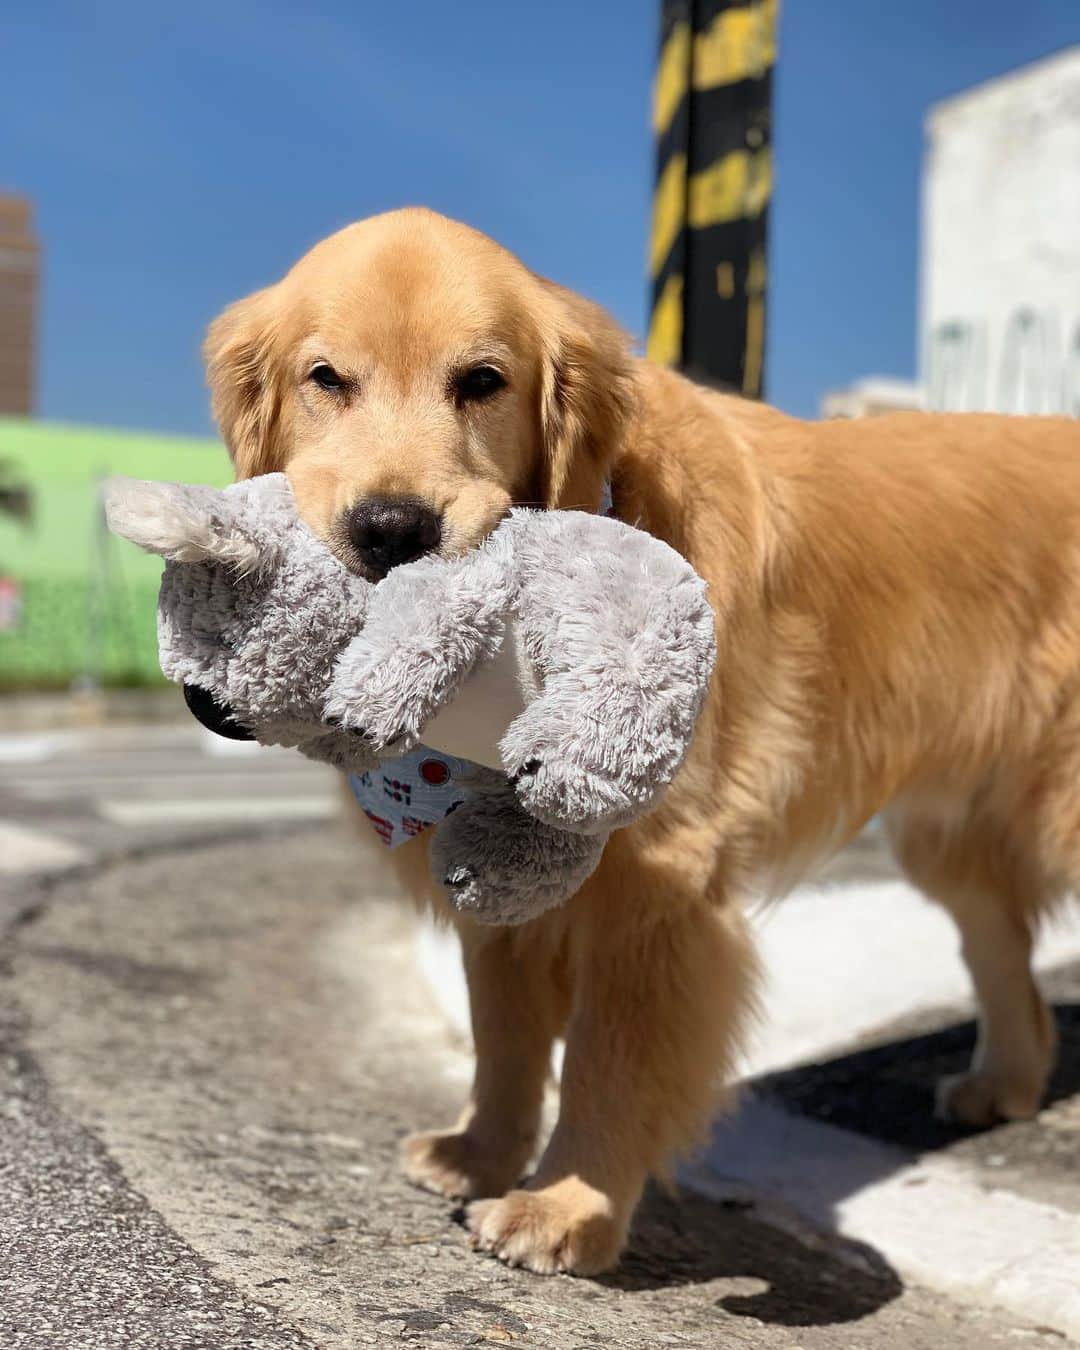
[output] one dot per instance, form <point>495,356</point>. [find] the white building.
<point>999,324</point>
<point>1000,303</point>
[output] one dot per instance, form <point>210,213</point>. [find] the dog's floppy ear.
<point>181,522</point>
<point>244,391</point>
<point>586,399</point>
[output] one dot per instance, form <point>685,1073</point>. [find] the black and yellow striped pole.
<point>712,116</point>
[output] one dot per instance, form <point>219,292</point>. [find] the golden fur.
<point>898,618</point>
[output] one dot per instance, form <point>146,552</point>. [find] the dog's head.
<point>414,380</point>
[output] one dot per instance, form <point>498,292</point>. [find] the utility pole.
<point>712,121</point>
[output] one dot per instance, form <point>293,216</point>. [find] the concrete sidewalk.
<point>208,1061</point>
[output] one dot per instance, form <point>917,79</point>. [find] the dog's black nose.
<point>388,531</point>
<point>213,715</point>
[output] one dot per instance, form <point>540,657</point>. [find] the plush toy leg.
<point>624,639</point>
<point>661,988</point>
<point>518,1007</point>
<point>499,865</point>
<point>581,766</point>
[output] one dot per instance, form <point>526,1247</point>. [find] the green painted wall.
<point>87,599</point>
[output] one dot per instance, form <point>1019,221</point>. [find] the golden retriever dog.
<point>898,619</point>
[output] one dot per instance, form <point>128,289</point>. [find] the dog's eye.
<point>479,383</point>
<point>326,377</point>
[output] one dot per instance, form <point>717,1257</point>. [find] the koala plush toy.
<point>559,668</point>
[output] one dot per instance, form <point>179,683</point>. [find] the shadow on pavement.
<point>883,1095</point>
<point>690,1239</point>
<point>887,1092</point>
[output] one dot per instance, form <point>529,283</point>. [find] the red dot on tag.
<point>434,772</point>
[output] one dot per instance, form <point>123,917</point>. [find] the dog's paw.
<point>561,793</point>
<point>568,1228</point>
<point>980,1100</point>
<point>453,1164</point>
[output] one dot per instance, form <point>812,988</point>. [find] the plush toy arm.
<point>428,626</point>
<point>500,865</point>
<point>623,637</point>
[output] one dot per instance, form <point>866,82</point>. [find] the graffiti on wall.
<point>1033,366</point>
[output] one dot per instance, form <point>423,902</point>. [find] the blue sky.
<point>181,155</point>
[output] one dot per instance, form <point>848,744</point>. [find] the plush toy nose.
<point>388,531</point>
<point>213,715</point>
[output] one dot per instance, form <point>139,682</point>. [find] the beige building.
<point>19,269</point>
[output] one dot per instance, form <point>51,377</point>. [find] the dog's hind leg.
<point>990,886</point>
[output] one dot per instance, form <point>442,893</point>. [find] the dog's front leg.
<point>517,1004</point>
<point>661,985</point>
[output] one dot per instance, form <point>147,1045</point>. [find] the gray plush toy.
<point>565,660</point>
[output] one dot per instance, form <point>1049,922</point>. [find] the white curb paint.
<point>23,850</point>
<point>931,1219</point>
<point>439,956</point>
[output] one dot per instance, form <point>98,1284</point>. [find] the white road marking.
<point>26,749</point>
<point>931,1219</point>
<point>163,785</point>
<point>112,740</point>
<point>188,811</point>
<point>24,850</point>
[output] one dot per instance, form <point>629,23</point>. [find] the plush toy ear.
<point>587,397</point>
<point>244,391</point>
<point>180,522</point>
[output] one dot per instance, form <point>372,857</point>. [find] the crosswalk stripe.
<point>187,811</point>
<point>172,785</point>
<point>161,759</point>
<point>25,749</point>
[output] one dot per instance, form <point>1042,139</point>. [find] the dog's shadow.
<point>886,1092</point>
<point>686,1238</point>
<point>813,1275</point>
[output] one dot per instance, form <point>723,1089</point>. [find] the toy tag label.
<point>403,797</point>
